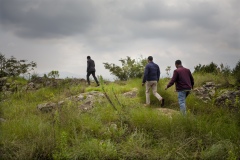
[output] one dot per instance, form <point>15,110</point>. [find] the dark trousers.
<point>93,74</point>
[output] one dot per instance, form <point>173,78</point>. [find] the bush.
<point>131,68</point>
<point>236,72</point>
<point>210,68</point>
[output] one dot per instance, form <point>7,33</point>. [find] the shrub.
<point>236,72</point>
<point>210,68</point>
<point>130,68</point>
<point>14,67</point>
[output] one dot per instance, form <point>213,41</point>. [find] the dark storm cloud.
<point>47,18</point>
<point>196,31</point>
<point>187,21</point>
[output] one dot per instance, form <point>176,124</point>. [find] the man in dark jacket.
<point>151,78</point>
<point>183,79</point>
<point>91,70</point>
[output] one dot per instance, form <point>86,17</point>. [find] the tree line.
<point>130,68</point>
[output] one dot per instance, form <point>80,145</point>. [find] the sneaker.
<point>146,105</point>
<point>162,104</point>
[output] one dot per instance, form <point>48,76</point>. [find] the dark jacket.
<point>90,65</point>
<point>151,72</point>
<point>183,79</point>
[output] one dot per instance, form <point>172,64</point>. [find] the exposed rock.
<point>7,93</point>
<point>3,81</point>
<point>2,120</point>
<point>206,92</point>
<point>30,86</point>
<point>47,107</point>
<point>86,105</point>
<point>87,100</point>
<point>61,103</point>
<point>131,94</point>
<point>90,99</point>
<point>228,99</point>
<point>80,97</point>
<point>8,85</point>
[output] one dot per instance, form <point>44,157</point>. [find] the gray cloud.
<point>197,31</point>
<point>47,19</point>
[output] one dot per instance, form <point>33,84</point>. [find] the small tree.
<point>2,65</point>
<point>225,71</point>
<point>236,72</point>
<point>210,68</point>
<point>130,68</point>
<point>14,67</point>
<point>53,74</point>
<point>168,69</point>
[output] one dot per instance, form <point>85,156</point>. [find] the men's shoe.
<point>162,104</point>
<point>146,105</point>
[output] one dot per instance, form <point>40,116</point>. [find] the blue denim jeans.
<point>182,101</point>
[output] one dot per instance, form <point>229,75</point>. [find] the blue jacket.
<point>151,72</point>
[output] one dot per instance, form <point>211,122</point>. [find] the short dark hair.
<point>150,58</point>
<point>178,62</point>
<point>88,57</point>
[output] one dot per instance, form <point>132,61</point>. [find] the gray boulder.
<point>228,99</point>
<point>132,93</point>
<point>47,107</point>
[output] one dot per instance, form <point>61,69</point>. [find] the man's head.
<point>88,57</point>
<point>150,59</point>
<point>178,63</point>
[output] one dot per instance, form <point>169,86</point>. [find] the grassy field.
<point>130,132</point>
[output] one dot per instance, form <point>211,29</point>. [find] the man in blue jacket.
<point>151,78</point>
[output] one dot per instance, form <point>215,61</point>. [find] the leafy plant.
<point>14,67</point>
<point>236,72</point>
<point>130,68</point>
<point>53,74</point>
<point>210,68</point>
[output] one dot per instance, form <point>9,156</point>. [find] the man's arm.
<point>145,75</point>
<point>191,78</point>
<point>88,65</point>
<point>158,73</point>
<point>173,80</point>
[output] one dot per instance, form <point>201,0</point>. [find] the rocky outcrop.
<point>3,82</point>
<point>224,98</point>
<point>132,93</point>
<point>206,92</point>
<point>48,107</point>
<point>87,100</point>
<point>2,120</point>
<point>228,99</point>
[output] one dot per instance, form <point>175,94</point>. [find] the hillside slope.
<point>90,122</point>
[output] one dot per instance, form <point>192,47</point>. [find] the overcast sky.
<point>60,34</point>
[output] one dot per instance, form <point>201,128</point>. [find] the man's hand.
<point>166,88</point>
<point>143,84</point>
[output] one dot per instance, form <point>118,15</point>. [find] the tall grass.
<point>130,132</point>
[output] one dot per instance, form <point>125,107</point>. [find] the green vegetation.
<point>236,72</point>
<point>132,131</point>
<point>117,127</point>
<point>13,67</point>
<point>130,68</point>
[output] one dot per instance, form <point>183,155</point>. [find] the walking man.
<point>184,82</point>
<point>151,78</point>
<point>91,70</point>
